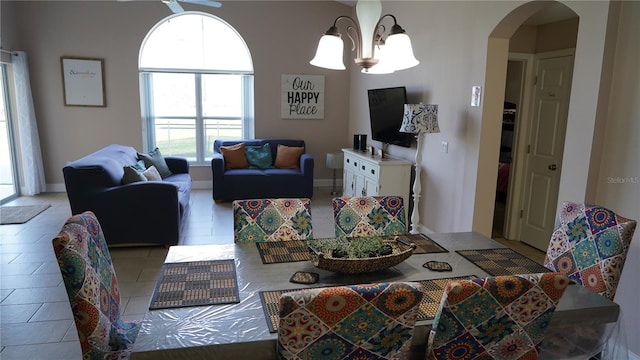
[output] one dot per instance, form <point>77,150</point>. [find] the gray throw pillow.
<point>156,159</point>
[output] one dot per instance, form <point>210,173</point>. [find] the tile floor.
<point>35,318</point>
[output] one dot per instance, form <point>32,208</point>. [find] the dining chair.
<point>501,317</point>
<point>92,288</point>
<point>590,245</point>
<point>368,321</point>
<point>259,220</point>
<point>369,216</point>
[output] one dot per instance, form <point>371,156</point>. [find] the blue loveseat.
<point>255,183</point>
<point>139,212</point>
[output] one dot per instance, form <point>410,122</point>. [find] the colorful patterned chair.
<point>502,317</point>
<point>93,289</point>
<point>369,216</point>
<point>259,220</point>
<point>372,321</point>
<point>590,245</point>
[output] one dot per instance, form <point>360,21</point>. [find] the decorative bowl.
<point>401,250</point>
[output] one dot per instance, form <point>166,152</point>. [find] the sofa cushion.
<point>234,156</point>
<point>152,174</point>
<point>132,174</point>
<point>155,158</point>
<point>288,157</point>
<point>259,156</point>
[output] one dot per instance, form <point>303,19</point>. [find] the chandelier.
<point>374,53</point>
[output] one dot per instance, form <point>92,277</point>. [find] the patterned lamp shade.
<point>420,119</point>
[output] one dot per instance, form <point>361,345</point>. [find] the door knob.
<point>553,167</point>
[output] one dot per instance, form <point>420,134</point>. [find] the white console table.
<point>371,175</point>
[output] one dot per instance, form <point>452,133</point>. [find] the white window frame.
<point>146,101</point>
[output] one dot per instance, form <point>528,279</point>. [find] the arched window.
<point>196,79</point>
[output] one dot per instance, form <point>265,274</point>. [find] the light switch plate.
<point>445,147</point>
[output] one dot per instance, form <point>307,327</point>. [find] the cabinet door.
<point>371,187</point>
<point>348,183</point>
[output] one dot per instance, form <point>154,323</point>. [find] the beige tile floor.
<point>35,318</point>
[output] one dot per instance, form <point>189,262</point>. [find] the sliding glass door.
<point>8,173</point>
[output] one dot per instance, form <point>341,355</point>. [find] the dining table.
<point>240,330</point>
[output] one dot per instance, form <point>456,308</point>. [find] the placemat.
<point>502,261</point>
<point>424,244</point>
<point>196,283</point>
<point>272,252</point>
<point>433,290</point>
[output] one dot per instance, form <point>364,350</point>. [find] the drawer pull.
<point>355,164</point>
<point>363,167</point>
<point>373,171</point>
<point>348,160</point>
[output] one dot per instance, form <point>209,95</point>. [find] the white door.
<point>545,147</point>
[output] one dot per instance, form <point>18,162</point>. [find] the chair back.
<point>371,321</point>
<point>590,245</point>
<point>259,220</point>
<point>369,216</point>
<point>92,287</point>
<point>502,317</point>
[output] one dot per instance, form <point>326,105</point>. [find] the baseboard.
<point>206,184</point>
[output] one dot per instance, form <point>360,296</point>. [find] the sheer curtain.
<point>28,140</point>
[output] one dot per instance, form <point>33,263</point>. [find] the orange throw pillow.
<point>288,157</point>
<point>234,156</point>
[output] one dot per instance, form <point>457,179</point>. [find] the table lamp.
<point>418,119</point>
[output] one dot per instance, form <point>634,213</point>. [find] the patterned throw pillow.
<point>155,158</point>
<point>234,156</point>
<point>258,220</point>
<point>259,156</point>
<point>288,157</point>
<point>369,216</point>
<point>152,174</point>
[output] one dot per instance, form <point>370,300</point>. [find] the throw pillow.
<point>140,166</point>
<point>288,157</point>
<point>234,156</point>
<point>152,174</point>
<point>156,159</point>
<point>259,156</point>
<point>132,174</point>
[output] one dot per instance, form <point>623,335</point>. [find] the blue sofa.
<point>139,212</point>
<point>254,183</point>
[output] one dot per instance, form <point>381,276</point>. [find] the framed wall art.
<point>83,81</point>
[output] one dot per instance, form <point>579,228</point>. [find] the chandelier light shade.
<point>418,119</point>
<point>368,41</point>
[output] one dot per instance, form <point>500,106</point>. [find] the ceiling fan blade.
<point>204,2</point>
<point>174,6</point>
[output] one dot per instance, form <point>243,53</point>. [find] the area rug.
<point>196,283</point>
<point>502,261</point>
<point>20,214</point>
<point>433,290</point>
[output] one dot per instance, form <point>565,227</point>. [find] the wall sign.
<point>302,96</point>
<point>82,81</point>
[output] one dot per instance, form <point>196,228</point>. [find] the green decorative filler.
<point>359,255</point>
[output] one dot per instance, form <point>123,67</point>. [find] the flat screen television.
<point>386,107</point>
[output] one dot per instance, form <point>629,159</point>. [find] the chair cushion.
<point>259,220</point>
<point>590,245</point>
<point>155,158</point>
<point>369,216</point>
<point>370,321</point>
<point>502,317</point>
<point>234,156</point>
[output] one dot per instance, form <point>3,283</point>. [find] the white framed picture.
<point>302,96</point>
<point>83,81</point>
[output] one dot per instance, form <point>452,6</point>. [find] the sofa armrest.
<point>306,164</point>
<point>217,164</point>
<point>177,165</point>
